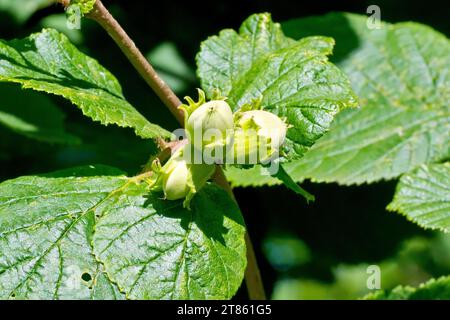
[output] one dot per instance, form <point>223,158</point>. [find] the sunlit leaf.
<point>423,196</point>
<point>48,62</point>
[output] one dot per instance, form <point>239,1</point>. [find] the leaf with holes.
<point>46,226</point>
<point>48,62</point>
<point>401,74</point>
<point>156,249</point>
<point>294,78</point>
<point>423,196</point>
<point>55,228</point>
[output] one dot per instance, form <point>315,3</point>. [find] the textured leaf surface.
<point>47,61</point>
<point>223,59</point>
<point>155,249</point>
<point>423,196</point>
<point>294,78</point>
<point>32,115</point>
<point>434,289</point>
<point>46,226</point>
<point>55,228</point>
<point>401,73</point>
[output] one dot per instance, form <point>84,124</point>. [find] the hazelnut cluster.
<point>217,136</point>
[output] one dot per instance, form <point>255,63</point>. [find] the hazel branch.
<point>102,16</point>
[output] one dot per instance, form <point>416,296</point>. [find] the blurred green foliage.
<point>21,10</point>
<point>418,260</point>
<point>318,251</point>
<point>172,67</point>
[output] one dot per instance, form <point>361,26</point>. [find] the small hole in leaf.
<point>86,277</point>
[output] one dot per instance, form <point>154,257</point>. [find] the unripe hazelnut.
<point>181,179</point>
<point>259,136</point>
<point>210,125</point>
<point>175,180</point>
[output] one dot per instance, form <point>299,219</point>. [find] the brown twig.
<point>253,278</point>
<point>101,15</point>
<point>65,3</point>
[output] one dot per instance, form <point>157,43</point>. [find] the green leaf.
<point>58,22</point>
<point>22,10</point>
<point>155,249</point>
<point>74,233</point>
<point>225,58</point>
<point>46,226</point>
<point>256,176</point>
<point>85,171</point>
<point>434,289</point>
<point>401,74</point>
<point>294,78</point>
<point>85,5</point>
<point>291,184</point>
<point>423,196</point>
<point>47,61</point>
<point>32,115</point>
